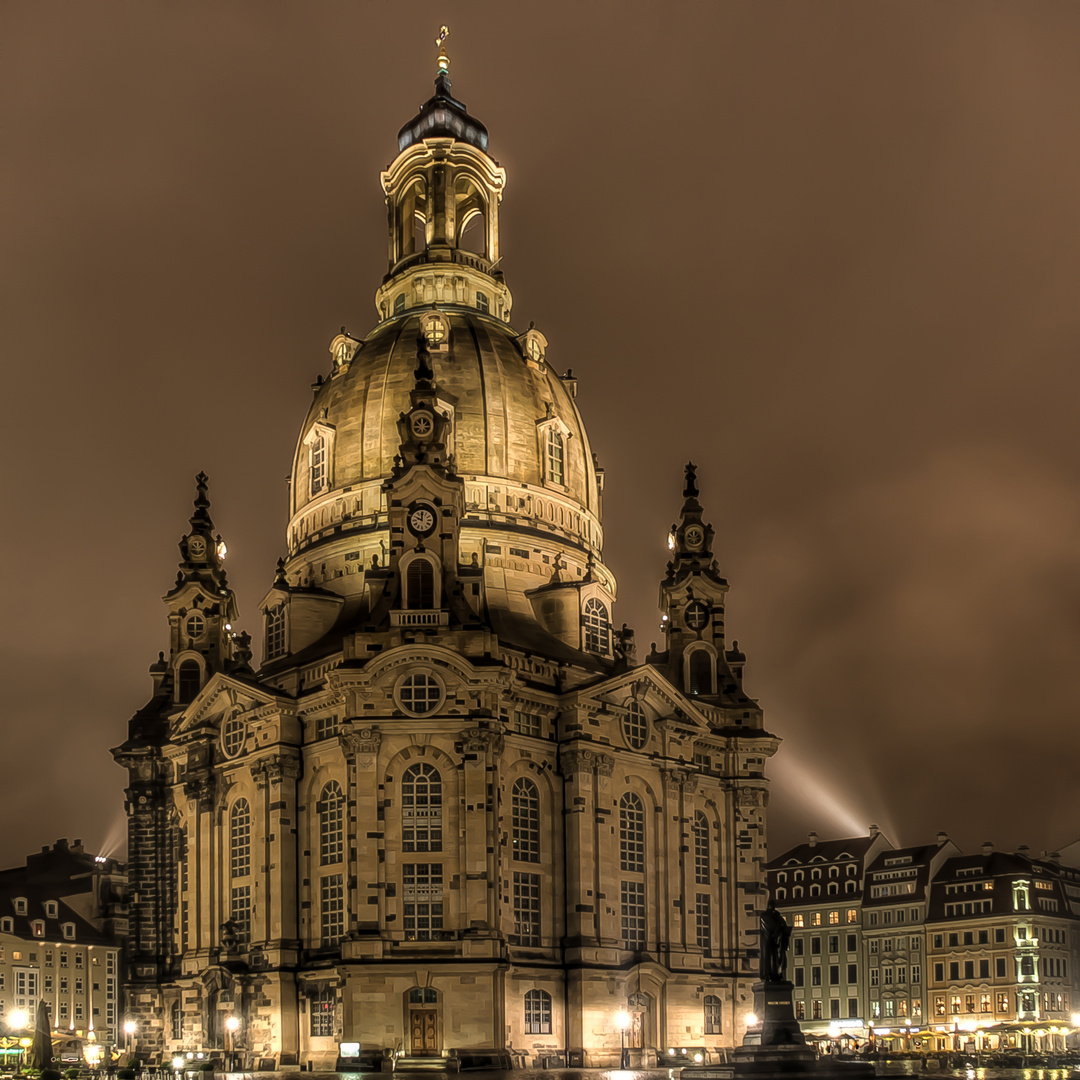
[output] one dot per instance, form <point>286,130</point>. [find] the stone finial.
<point>280,581</point>
<point>690,491</point>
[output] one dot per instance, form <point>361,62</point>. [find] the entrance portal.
<point>425,1027</point>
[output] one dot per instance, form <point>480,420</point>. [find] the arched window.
<point>275,632</point>
<point>797,892</point>
<point>555,456</point>
<point>700,672</point>
<point>701,849</point>
<point>713,1020</point>
<point>322,1013</point>
<point>850,886</point>
<point>240,839</point>
<point>331,825</point>
<point>188,678</point>
<point>631,833</point>
<point>317,464</point>
<point>525,801</point>
<point>781,894</point>
<point>420,585</point>
<point>538,1012</point>
<point>421,808</point>
<point>473,235</point>
<point>635,726</point>
<point>176,1021</point>
<point>815,890</point>
<point>833,888</point>
<point>597,628</point>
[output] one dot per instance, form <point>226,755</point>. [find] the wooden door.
<point>425,1026</point>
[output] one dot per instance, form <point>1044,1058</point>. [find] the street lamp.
<point>622,1022</point>
<point>130,1027</point>
<point>232,1025</point>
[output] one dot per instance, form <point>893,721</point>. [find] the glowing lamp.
<point>698,1058</point>
<point>622,1020</point>
<point>130,1027</point>
<point>177,1062</point>
<point>18,1018</point>
<point>751,1020</point>
<point>232,1023</point>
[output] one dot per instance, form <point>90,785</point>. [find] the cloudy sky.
<point>829,251</point>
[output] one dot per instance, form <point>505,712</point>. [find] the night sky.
<point>828,251</point>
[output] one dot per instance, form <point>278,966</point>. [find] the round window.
<point>233,733</point>
<point>196,624</point>
<point>635,726</point>
<point>419,694</point>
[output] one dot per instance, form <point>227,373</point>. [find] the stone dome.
<point>503,406</point>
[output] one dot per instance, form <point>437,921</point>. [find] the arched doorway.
<point>423,1021</point>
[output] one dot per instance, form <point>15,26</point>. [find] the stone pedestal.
<point>776,1026</point>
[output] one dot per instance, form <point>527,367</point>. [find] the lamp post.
<point>17,1021</point>
<point>130,1027</point>
<point>232,1025</point>
<point>622,1022</point>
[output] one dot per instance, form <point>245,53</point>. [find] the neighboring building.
<point>818,886</point>
<point>62,921</point>
<point>895,898</point>
<point>1002,951</point>
<point>450,814</point>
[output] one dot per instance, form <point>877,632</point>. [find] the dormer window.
<point>51,909</point>
<point>275,632</point>
<point>20,905</point>
<point>320,448</point>
<point>555,455</point>
<point>68,930</point>
<point>37,927</point>
<point>436,329</point>
<point>596,626</point>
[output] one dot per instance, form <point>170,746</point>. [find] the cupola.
<point>442,199</point>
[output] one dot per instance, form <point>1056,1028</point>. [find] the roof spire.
<point>200,520</point>
<point>444,60</point>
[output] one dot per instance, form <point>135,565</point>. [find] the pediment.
<point>649,687</point>
<point>223,696</point>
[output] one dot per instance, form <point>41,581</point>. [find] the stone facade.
<point>451,814</point>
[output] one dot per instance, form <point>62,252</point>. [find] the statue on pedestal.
<point>774,935</point>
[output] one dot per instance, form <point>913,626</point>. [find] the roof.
<point>36,897</point>
<point>443,115</point>
<point>827,851</point>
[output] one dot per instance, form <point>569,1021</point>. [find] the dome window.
<point>436,330</point>
<point>399,304</point>
<point>320,445</point>
<point>596,626</point>
<point>533,347</point>
<point>483,303</point>
<point>275,632</point>
<point>419,694</point>
<point>556,454</point>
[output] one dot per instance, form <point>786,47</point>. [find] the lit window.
<point>240,839</point>
<point>275,632</point>
<point>331,825</point>
<point>635,724</point>
<point>555,455</point>
<point>538,1012</point>
<point>419,694</point>
<point>421,809</point>
<point>525,800</point>
<point>597,627</point>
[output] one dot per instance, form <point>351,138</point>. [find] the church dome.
<point>516,436</point>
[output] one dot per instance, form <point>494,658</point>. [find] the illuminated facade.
<point>450,814</point>
<point>62,922</point>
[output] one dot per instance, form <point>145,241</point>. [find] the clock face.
<point>696,615</point>
<point>422,424</point>
<point>695,536</point>
<point>421,519</point>
<point>196,547</point>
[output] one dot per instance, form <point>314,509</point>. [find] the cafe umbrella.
<point>41,1051</point>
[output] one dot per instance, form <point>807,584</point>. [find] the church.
<point>452,814</point>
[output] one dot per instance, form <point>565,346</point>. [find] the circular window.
<point>196,624</point>
<point>233,733</point>
<point>635,726</point>
<point>419,694</point>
